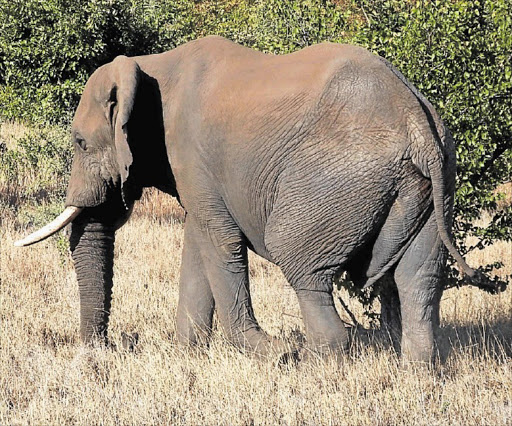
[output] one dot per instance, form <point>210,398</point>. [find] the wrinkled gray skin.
<point>320,161</point>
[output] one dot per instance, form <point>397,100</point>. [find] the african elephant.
<point>321,161</point>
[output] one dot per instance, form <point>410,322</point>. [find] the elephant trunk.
<point>92,247</point>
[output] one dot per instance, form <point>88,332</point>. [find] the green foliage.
<point>36,167</point>
<point>49,48</point>
<point>34,170</point>
<point>291,25</point>
<point>274,26</point>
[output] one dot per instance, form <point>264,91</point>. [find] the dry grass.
<point>47,377</point>
<point>499,251</point>
<point>506,191</point>
<point>11,132</point>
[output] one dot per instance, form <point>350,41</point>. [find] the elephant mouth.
<point>67,216</point>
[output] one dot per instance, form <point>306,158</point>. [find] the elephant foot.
<point>264,347</point>
<point>415,366</point>
<point>324,354</point>
<point>416,352</point>
<point>279,352</point>
<point>321,350</point>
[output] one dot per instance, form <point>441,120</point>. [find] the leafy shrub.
<point>36,167</point>
<point>49,48</point>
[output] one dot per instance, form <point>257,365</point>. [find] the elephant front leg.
<point>196,303</point>
<point>225,266</point>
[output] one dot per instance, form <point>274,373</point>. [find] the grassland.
<point>48,377</point>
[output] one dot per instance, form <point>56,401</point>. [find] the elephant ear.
<point>126,76</point>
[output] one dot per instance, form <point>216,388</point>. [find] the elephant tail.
<point>437,136</point>
<point>475,277</point>
<point>431,141</point>
<point>435,170</point>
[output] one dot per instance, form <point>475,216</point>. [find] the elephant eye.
<point>81,143</point>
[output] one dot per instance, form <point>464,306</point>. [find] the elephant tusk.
<point>57,224</point>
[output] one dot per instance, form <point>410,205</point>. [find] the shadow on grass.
<point>160,207</point>
<point>488,339</point>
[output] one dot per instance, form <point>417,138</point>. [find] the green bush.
<point>49,48</point>
<point>35,167</point>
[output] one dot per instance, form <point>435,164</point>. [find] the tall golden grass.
<point>47,377</point>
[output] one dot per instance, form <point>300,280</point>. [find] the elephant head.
<point>117,134</point>
<point>103,155</point>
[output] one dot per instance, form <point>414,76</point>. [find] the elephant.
<point>320,161</point>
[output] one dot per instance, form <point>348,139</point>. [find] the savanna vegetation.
<point>458,53</point>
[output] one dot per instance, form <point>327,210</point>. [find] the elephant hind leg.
<point>418,277</point>
<point>390,317</point>
<point>325,332</point>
